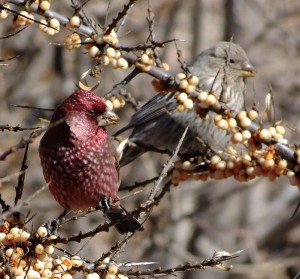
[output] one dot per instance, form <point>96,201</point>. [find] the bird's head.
<point>224,55</point>
<point>85,106</point>
<point>235,58</point>
<point>84,113</point>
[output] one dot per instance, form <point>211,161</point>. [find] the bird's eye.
<point>231,61</point>
<point>91,112</point>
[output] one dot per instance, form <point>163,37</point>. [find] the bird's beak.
<point>108,117</point>
<point>248,70</point>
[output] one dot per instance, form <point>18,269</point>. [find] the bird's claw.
<point>105,205</point>
<point>52,226</point>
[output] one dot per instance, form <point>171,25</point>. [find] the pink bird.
<point>79,159</point>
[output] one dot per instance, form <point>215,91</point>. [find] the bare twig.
<point>153,45</point>
<point>158,272</point>
<point>117,87</point>
<point>21,178</point>
<point>34,8</point>
<point>4,206</point>
<point>167,167</point>
<point>32,107</point>
<point>16,128</point>
<point>151,38</point>
<point>138,184</point>
<point>8,178</point>
<point>22,144</point>
<point>79,10</point>
<point>12,35</point>
<point>120,16</point>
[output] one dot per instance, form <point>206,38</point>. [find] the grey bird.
<point>158,125</point>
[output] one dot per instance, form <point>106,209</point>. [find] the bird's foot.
<point>105,205</point>
<point>53,225</point>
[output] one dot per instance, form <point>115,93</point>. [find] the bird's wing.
<point>158,105</point>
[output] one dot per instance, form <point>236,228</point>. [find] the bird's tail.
<point>130,154</point>
<point>116,213</point>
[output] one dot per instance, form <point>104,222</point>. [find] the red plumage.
<point>78,157</point>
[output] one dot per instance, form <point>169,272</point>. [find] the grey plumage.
<point>221,69</point>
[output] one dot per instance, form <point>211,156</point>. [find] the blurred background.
<point>196,218</point>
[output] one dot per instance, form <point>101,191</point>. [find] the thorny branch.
<point>159,272</point>
<point>78,9</point>
<point>165,77</point>
<point>158,185</point>
<point>174,270</point>
<point>34,8</point>
<point>151,38</point>
<point>120,16</point>
<point>21,178</point>
<point>26,141</point>
<point>12,35</point>
<point>139,184</point>
<point>8,178</point>
<point>156,195</point>
<point>119,86</point>
<point>22,144</point>
<point>167,167</point>
<point>16,128</point>
<point>3,204</point>
<point>106,226</point>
